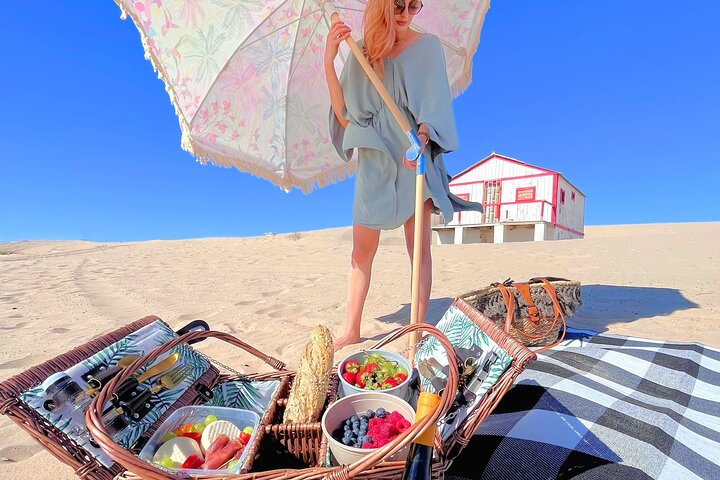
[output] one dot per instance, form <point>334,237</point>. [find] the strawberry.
<point>194,435</point>
<point>351,366</point>
<point>193,461</point>
<point>371,367</point>
<point>360,380</point>
<point>244,438</point>
<point>391,382</point>
<point>349,377</point>
<point>400,377</point>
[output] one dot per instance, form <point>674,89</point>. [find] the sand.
<point>656,281</point>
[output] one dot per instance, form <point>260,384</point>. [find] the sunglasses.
<point>413,7</point>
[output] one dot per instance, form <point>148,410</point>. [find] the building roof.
<point>513,160</point>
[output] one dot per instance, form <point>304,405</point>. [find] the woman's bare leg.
<point>425,260</point>
<point>365,244</point>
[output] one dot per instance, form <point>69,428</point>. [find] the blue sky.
<point>623,97</point>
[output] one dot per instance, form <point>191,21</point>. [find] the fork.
<point>142,403</point>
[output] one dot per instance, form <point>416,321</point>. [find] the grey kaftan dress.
<point>385,190</point>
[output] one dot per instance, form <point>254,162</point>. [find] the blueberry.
<point>354,419</point>
<point>347,427</point>
<point>346,441</point>
<point>370,414</point>
<point>356,430</point>
<point>348,422</point>
<point>381,412</point>
<point>366,439</point>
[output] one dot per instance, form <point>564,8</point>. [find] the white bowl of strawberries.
<point>377,370</point>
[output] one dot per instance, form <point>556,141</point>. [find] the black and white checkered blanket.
<point>605,407</point>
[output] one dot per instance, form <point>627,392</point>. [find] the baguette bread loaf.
<point>309,389</point>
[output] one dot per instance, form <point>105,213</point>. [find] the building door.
<point>492,193</point>
<point>464,196</point>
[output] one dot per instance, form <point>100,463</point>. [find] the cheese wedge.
<point>178,449</point>
<point>215,429</point>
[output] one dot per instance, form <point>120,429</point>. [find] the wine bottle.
<point>418,465</point>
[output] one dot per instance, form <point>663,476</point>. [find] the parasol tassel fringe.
<point>462,83</point>
<point>335,175</point>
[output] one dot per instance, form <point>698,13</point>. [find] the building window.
<point>525,194</point>
<point>562,196</point>
<point>572,196</point>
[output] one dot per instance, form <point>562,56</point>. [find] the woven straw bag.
<point>533,312</point>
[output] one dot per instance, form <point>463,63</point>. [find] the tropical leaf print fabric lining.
<point>469,341</point>
<point>69,417</point>
<point>254,396</point>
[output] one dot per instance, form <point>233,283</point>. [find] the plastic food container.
<point>197,414</point>
<point>403,390</point>
<point>346,407</point>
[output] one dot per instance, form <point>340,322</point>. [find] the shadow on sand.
<point>436,309</point>
<point>602,306</point>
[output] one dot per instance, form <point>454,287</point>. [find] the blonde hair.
<point>378,32</point>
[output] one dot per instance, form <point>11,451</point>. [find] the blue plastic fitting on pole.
<point>414,153</point>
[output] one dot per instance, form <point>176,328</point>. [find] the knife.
<point>127,388</point>
<point>475,383</point>
<point>428,372</point>
<point>139,406</point>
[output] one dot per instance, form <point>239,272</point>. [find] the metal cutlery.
<point>127,389</point>
<point>141,404</point>
<point>100,378</point>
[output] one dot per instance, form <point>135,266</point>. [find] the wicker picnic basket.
<point>288,451</point>
<point>66,449</point>
<point>533,312</point>
<point>138,468</point>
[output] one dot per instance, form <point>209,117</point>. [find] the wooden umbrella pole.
<point>376,81</point>
<point>419,183</point>
<point>417,256</point>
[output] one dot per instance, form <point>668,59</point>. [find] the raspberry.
<point>384,430</point>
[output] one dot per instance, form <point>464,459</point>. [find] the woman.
<point>412,66</point>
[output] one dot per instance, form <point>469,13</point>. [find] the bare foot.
<point>346,340</point>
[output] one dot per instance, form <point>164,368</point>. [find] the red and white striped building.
<point>522,202</point>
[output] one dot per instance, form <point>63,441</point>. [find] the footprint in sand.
<point>243,303</point>
<point>18,453</point>
<point>242,328</point>
<point>23,362</point>
<point>199,315</point>
<point>273,293</point>
<point>17,326</point>
<point>287,312</point>
<point>264,311</point>
<point>59,330</point>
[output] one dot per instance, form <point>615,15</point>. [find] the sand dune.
<point>656,281</point>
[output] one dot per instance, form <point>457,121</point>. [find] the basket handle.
<point>557,310</point>
<point>409,435</point>
<point>93,415</point>
<point>558,313</point>
<point>510,303</point>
